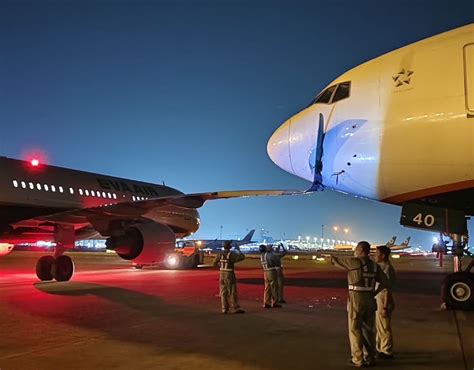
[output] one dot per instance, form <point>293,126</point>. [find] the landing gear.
<point>60,268</point>
<point>457,291</point>
<point>43,268</point>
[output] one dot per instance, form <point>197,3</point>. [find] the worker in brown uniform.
<point>385,306</point>
<point>270,294</point>
<point>227,281</point>
<point>278,254</point>
<point>362,276</point>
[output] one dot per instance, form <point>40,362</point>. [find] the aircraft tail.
<point>248,238</point>
<point>406,242</point>
<point>391,241</point>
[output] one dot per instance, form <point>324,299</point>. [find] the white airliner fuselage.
<point>397,128</point>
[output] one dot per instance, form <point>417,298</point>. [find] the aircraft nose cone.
<point>278,147</point>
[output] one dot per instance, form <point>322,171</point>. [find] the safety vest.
<point>225,263</point>
<point>264,262</point>
<point>367,283</point>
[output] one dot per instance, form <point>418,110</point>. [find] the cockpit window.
<point>343,91</point>
<point>325,96</point>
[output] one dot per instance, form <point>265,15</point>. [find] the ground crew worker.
<point>362,276</point>
<point>385,306</point>
<point>279,254</point>
<point>270,294</point>
<point>227,281</point>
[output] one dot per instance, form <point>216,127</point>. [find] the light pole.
<point>322,231</point>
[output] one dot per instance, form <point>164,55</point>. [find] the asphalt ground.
<point>110,316</point>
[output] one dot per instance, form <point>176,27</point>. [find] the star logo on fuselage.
<point>403,77</point>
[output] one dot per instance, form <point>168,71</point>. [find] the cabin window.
<point>71,190</point>
<point>87,192</point>
<point>32,186</point>
<point>38,186</point>
<point>114,196</point>
<point>98,194</point>
<point>46,187</point>
<point>81,192</point>
<point>53,188</point>
<point>93,193</point>
<point>61,190</point>
<point>15,183</point>
<point>23,185</point>
<point>343,91</point>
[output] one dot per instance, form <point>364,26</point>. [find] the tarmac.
<point>110,316</point>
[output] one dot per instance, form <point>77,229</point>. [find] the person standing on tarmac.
<point>270,294</point>
<point>227,281</point>
<point>385,306</point>
<point>278,255</point>
<point>362,276</point>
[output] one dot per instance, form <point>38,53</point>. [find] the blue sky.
<point>190,91</point>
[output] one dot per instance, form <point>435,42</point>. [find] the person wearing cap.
<point>278,255</point>
<point>361,306</point>
<point>227,281</point>
<point>270,293</point>
<point>385,306</point>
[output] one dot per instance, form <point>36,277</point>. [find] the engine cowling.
<point>5,248</point>
<point>144,244</point>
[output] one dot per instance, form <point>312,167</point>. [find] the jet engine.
<point>5,249</point>
<point>144,244</point>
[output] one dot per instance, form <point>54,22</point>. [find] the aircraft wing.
<point>139,208</point>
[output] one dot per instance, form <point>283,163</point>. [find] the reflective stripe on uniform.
<point>361,288</point>
<point>224,262</point>
<point>368,279</point>
<point>264,262</point>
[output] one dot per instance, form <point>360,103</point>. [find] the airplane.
<point>140,221</point>
<point>348,140</point>
<point>404,245</point>
<point>218,243</point>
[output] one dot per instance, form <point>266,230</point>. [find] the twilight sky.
<point>190,91</point>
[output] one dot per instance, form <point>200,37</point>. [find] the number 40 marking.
<point>427,220</point>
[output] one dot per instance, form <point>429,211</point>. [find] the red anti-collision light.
<point>34,162</point>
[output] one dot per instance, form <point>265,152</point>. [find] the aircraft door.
<point>469,78</point>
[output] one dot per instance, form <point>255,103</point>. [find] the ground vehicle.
<point>186,255</point>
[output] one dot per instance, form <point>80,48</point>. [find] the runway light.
<point>396,256</point>
<point>295,258</point>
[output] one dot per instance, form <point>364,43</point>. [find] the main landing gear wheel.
<point>458,291</point>
<point>43,268</point>
<point>62,268</point>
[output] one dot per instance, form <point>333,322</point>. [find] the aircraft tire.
<point>43,268</point>
<point>62,268</point>
<point>457,291</point>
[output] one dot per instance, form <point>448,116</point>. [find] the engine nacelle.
<point>5,248</point>
<point>144,244</point>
